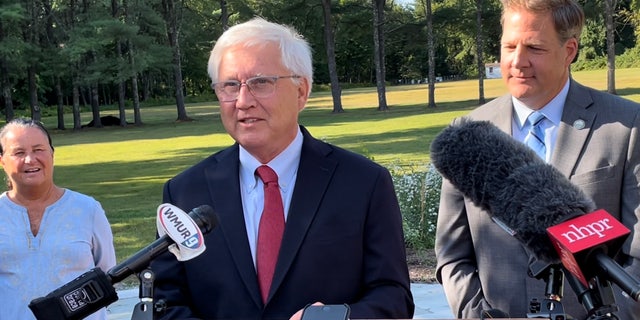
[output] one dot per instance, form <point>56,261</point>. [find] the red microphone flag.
<point>575,239</point>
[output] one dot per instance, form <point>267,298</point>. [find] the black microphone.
<point>509,181</point>
<point>522,193</point>
<point>94,289</point>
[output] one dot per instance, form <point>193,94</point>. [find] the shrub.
<point>418,191</point>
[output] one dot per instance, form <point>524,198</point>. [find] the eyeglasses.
<point>260,87</point>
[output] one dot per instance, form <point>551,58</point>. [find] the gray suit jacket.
<point>482,267</point>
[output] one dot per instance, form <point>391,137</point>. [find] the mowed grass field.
<point>125,168</point>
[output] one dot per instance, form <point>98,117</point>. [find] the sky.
<point>404,1</point>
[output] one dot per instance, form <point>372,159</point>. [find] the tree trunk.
<point>336,90</point>
<point>115,13</point>
<point>146,86</point>
<point>121,90</point>
<point>432,55</point>
<point>77,122</point>
<point>378,44</point>
<point>134,88</point>
<point>5,82</point>
<point>136,101</point>
<point>33,94</point>
<point>75,82</point>
<point>135,95</point>
<point>8,104</point>
<point>30,31</point>
<point>8,101</point>
<point>172,19</point>
<point>95,106</point>
<point>480,52</point>
<point>610,6</point>
<point>224,15</point>
<point>60,100</point>
<point>177,79</point>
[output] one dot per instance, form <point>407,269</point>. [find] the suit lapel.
<point>314,174</point>
<point>573,131</point>
<point>499,112</point>
<point>224,188</point>
<point>503,116</point>
<point>575,126</point>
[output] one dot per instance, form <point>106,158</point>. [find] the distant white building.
<point>492,70</point>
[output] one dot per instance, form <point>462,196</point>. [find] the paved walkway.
<point>429,300</point>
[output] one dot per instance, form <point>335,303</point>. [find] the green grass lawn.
<point>125,168</point>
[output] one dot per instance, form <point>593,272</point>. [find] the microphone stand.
<point>550,307</point>
<point>598,298</point>
<point>143,310</point>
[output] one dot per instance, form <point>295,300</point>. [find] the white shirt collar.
<point>285,164</point>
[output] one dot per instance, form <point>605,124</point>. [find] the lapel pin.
<point>579,124</point>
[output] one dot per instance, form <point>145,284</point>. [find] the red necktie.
<point>270,229</point>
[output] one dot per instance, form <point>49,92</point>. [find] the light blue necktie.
<point>535,137</point>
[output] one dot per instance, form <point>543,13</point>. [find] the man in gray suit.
<point>592,137</point>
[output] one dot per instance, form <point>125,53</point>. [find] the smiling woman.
<point>67,233</point>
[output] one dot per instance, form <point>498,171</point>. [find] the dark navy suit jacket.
<point>343,242</point>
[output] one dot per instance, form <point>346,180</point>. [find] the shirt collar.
<point>285,164</point>
<point>552,110</point>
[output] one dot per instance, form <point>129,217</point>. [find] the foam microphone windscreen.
<point>509,181</point>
